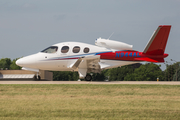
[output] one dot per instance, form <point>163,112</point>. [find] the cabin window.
<point>86,50</point>
<point>64,49</point>
<point>76,49</point>
<point>51,49</point>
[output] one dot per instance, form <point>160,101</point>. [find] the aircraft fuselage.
<point>86,58</point>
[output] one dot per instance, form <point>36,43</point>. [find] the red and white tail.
<point>157,43</point>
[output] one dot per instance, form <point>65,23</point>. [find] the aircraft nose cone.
<point>19,62</point>
<point>30,61</point>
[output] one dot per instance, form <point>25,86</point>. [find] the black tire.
<point>35,77</point>
<point>88,78</point>
<point>39,78</point>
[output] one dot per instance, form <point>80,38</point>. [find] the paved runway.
<point>93,82</point>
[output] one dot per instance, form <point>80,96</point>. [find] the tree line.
<point>134,72</point>
<point>8,64</point>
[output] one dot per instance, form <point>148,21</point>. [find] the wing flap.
<point>91,63</point>
<point>77,63</point>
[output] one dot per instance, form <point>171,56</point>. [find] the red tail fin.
<point>157,43</point>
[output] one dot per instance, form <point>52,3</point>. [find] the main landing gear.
<point>88,78</point>
<point>83,74</point>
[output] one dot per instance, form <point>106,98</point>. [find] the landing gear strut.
<point>88,78</point>
<point>37,77</point>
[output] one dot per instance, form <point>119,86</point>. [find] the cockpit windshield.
<point>51,49</point>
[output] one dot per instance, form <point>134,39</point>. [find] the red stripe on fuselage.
<point>121,55</point>
<point>130,56</point>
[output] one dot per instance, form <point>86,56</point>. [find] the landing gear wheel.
<point>88,78</point>
<point>39,78</point>
<point>35,77</point>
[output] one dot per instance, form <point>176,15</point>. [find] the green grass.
<point>89,102</point>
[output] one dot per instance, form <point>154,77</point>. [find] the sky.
<point>29,26</point>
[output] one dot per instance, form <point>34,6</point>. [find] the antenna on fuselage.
<point>110,35</point>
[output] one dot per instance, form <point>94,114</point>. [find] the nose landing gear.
<point>37,77</point>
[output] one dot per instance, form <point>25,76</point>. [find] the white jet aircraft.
<point>86,58</point>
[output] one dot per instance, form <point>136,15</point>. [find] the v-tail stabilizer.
<point>154,50</point>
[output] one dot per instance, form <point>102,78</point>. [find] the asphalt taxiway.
<point>92,82</point>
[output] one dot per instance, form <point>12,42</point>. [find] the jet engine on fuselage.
<point>111,44</point>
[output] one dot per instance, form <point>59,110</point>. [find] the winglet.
<point>157,43</point>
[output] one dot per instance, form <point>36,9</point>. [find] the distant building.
<point>24,75</point>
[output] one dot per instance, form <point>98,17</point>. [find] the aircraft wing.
<point>91,63</point>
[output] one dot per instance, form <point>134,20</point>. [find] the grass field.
<point>88,102</point>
